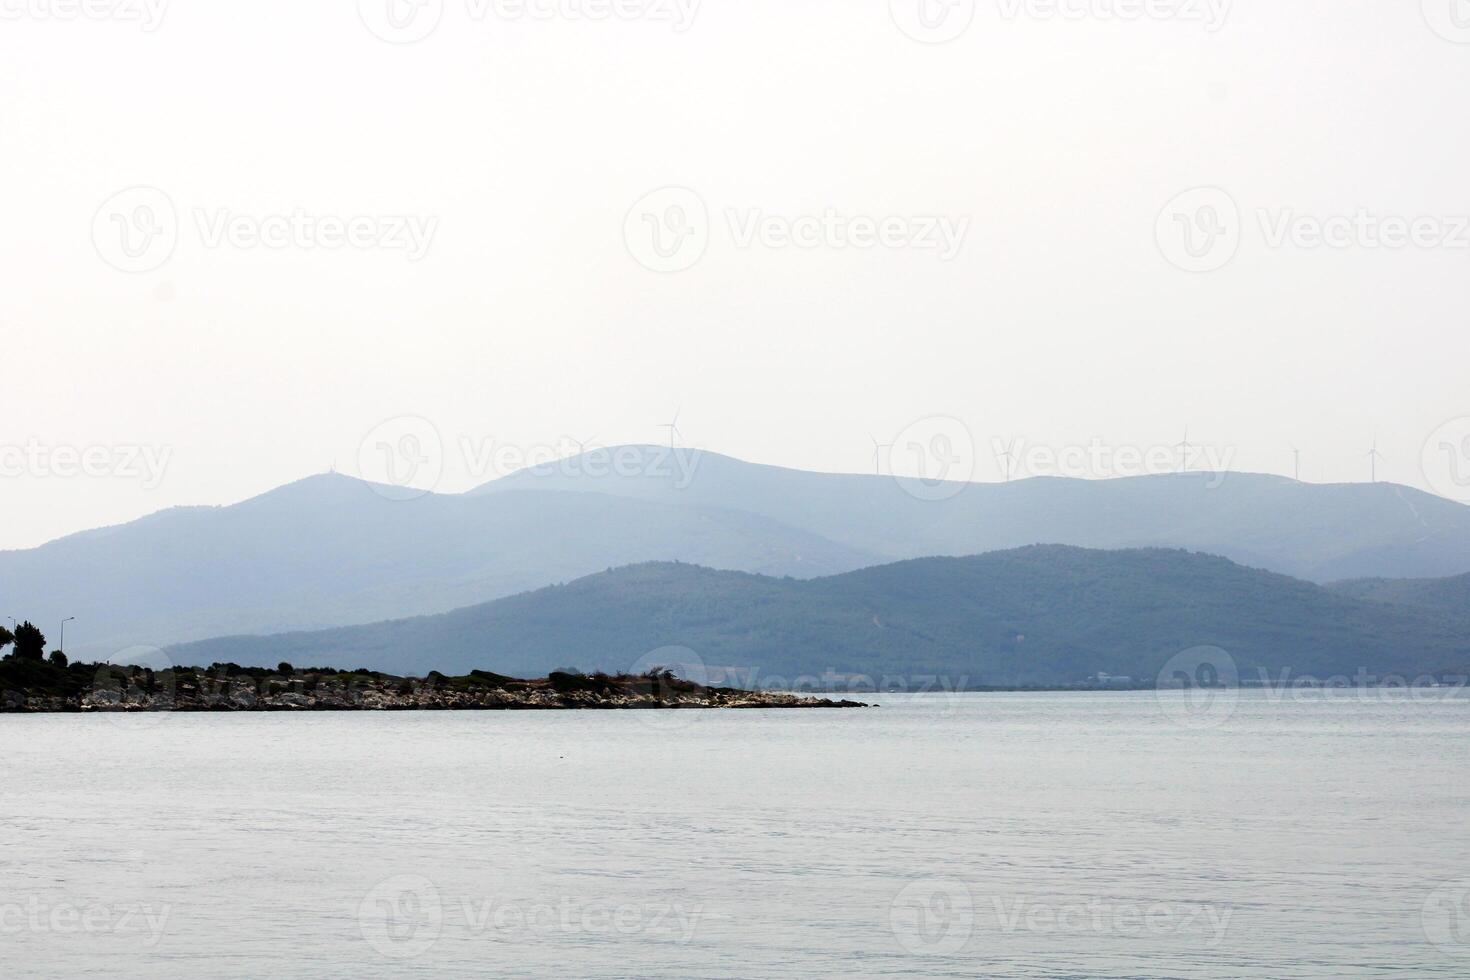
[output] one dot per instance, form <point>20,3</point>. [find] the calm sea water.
<point>1052,835</point>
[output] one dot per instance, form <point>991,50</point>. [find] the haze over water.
<point>969,835</point>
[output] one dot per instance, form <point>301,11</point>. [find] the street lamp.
<point>62,644</point>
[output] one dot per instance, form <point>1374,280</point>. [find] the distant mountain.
<point>330,550</point>
<point>1451,595</point>
<point>1320,532</point>
<point>1040,615</point>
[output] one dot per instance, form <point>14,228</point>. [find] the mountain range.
<point>332,550</point>
<point>1037,615</point>
<point>1320,532</point>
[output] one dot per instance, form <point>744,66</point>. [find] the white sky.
<point>529,323</point>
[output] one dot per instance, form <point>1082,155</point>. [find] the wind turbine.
<point>1296,455</point>
<point>878,448</point>
<point>1008,456</point>
<point>582,444</point>
<point>1183,447</point>
<point>1373,457</point>
<point>673,428</point>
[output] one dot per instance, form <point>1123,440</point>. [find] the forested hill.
<point>1037,615</point>
<point>1450,595</point>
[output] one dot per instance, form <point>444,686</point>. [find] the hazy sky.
<point>985,232</point>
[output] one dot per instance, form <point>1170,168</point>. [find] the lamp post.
<point>62,645</point>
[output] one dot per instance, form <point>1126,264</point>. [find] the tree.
<point>6,637</point>
<point>30,642</point>
<point>58,659</point>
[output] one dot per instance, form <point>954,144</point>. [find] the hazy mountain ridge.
<point>1036,615</point>
<point>1321,532</point>
<point>330,549</point>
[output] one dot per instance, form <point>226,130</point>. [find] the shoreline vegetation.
<point>41,686</point>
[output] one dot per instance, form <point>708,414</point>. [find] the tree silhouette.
<point>30,642</point>
<point>6,637</point>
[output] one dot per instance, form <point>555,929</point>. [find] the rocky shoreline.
<point>36,687</point>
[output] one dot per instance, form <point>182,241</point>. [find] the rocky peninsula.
<point>35,686</point>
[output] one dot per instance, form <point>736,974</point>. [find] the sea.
<point>1134,834</point>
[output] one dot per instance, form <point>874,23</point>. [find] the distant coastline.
<point>33,687</point>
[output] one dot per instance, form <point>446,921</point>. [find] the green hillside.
<point>1038,615</point>
<point>1449,595</point>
